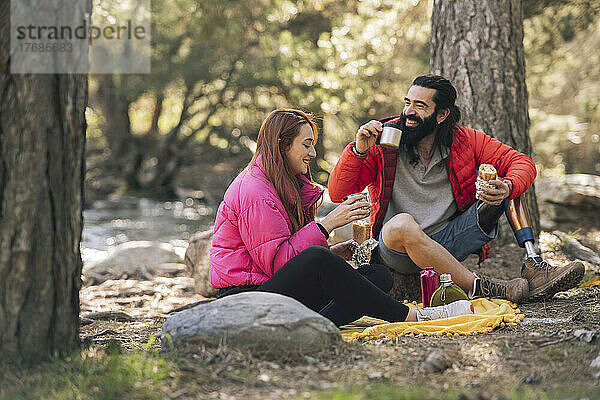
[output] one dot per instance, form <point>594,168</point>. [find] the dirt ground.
<point>543,356</point>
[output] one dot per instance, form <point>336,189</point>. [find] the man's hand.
<point>367,135</point>
<point>344,249</point>
<point>495,196</point>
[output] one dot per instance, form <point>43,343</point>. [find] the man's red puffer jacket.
<point>470,148</point>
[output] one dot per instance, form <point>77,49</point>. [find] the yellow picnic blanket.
<point>489,314</point>
<point>595,281</point>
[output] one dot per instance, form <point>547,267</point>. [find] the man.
<point>424,210</point>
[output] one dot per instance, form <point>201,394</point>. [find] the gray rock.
<point>568,199</point>
<point>585,335</point>
<point>532,379</point>
<point>436,362</point>
<point>135,258</point>
<point>262,323</point>
<point>196,260</point>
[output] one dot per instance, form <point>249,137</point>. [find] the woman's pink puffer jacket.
<point>252,237</point>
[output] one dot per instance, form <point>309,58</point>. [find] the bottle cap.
<point>445,278</point>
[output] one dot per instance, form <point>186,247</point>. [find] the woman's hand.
<point>344,249</point>
<point>349,211</point>
<point>367,135</point>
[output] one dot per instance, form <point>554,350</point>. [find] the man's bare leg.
<point>403,234</point>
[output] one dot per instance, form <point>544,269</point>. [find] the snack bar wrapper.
<point>363,243</point>
<point>486,173</point>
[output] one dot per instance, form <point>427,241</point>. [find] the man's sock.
<point>476,288</point>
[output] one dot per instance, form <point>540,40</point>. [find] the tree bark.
<point>406,286</point>
<point>42,139</point>
<point>478,46</point>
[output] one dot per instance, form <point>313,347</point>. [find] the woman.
<point>266,237</point>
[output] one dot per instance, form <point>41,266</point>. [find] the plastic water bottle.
<point>430,281</point>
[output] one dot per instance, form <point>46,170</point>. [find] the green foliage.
<point>380,391</point>
<point>561,44</point>
<point>90,374</point>
<point>391,391</point>
<point>553,43</point>
<point>575,234</point>
<point>370,56</point>
<point>219,68</point>
<point>547,135</point>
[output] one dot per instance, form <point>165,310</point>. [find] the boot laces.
<point>541,265</point>
<point>492,289</point>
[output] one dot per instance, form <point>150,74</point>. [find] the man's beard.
<point>411,135</point>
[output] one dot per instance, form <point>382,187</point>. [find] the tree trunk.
<point>406,286</point>
<point>42,138</point>
<point>478,46</point>
<point>319,173</point>
<point>125,154</point>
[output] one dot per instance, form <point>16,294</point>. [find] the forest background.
<point>185,130</point>
<point>219,68</point>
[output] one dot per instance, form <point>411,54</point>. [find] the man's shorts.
<point>461,237</point>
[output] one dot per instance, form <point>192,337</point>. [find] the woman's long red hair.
<point>275,137</point>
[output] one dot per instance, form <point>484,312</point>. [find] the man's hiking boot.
<point>545,280</point>
<point>515,290</point>
<point>460,307</point>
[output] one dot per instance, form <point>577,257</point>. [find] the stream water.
<point>121,219</point>
<point>110,222</point>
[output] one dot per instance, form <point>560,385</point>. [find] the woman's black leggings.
<point>325,283</point>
